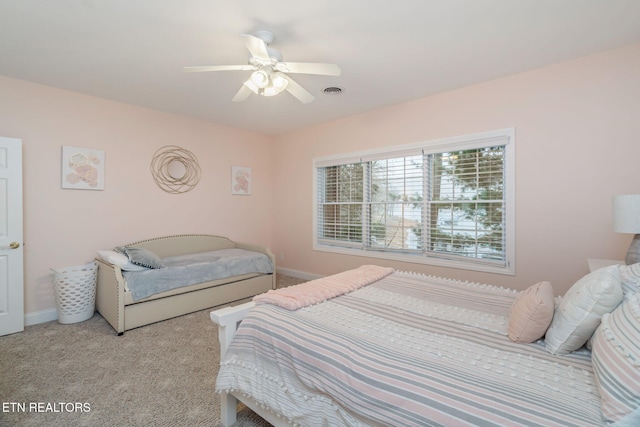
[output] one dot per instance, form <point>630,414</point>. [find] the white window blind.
<point>449,203</point>
<point>341,189</point>
<point>395,203</point>
<point>466,206</point>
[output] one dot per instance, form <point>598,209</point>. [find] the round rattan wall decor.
<point>175,169</point>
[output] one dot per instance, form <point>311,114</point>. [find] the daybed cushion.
<point>630,276</point>
<point>531,313</point>
<point>190,269</point>
<point>579,312</point>
<point>616,363</point>
<point>142,257</point>
<point>120,260</point>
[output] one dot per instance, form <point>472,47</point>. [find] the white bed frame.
<point>228,319</point>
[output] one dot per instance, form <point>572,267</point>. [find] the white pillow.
<point>119,260</point>
<point>579,312</point>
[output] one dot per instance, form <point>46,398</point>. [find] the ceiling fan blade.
<point>257,47</point>
<point>242,94</point>
<point>308,68</point>
<point>298,91</point>
<point>220,68</point>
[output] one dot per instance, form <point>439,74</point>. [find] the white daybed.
<point>115,302</point>
<point>407,349</point>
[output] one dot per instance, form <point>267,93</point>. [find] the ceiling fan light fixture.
<point>269,91</point>
<point>279,81</point>
<point>260,78</point>
<point>277,85</point>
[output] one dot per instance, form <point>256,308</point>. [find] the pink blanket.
<point>316,291</point>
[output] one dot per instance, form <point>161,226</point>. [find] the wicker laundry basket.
<point>75,291</point>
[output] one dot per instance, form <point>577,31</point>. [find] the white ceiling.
<point>390,52</point>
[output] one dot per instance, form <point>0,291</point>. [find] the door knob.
<point>14,245</point>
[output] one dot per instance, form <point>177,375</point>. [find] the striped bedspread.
<point>407,350</point>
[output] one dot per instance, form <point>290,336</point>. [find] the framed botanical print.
<point>82,168</point>
<point>240,180</point>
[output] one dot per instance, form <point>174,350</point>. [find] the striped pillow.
<point>616,363</point>
<point>630,278</point>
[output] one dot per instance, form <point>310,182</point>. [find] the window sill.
<point>418,259</point>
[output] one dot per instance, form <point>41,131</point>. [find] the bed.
<point>156,279</point>
<point>392,348</point>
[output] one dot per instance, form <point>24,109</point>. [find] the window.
<point>446,202</point>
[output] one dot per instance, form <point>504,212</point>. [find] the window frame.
<point>478,140</point>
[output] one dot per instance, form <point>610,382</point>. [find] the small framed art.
<point>82,168</point>
<point>240,180</point>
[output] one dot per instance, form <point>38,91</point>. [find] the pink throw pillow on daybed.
<point>531,313</point>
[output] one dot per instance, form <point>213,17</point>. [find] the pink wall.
<point>66,227</point>
<point>577,144</point>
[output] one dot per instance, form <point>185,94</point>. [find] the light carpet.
<point>83,374</point>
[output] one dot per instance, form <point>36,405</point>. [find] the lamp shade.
<point>626,213</point>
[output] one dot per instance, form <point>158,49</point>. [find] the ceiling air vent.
<point>332,90</point>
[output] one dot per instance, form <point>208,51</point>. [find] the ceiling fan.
<point>270,75</point>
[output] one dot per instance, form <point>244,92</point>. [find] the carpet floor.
<point>83,374</point>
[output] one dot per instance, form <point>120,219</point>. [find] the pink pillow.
<point>531,313</point>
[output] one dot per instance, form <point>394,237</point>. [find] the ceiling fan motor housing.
<point>266,36</point>
<point>274,57</point>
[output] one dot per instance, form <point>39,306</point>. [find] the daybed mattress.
<point>190,269</point>
<point>407,350</point>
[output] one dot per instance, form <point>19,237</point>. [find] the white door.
<point>11,265</point>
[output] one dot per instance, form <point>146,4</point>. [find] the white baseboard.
<point>297,274</point>
<point>40,317</point>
